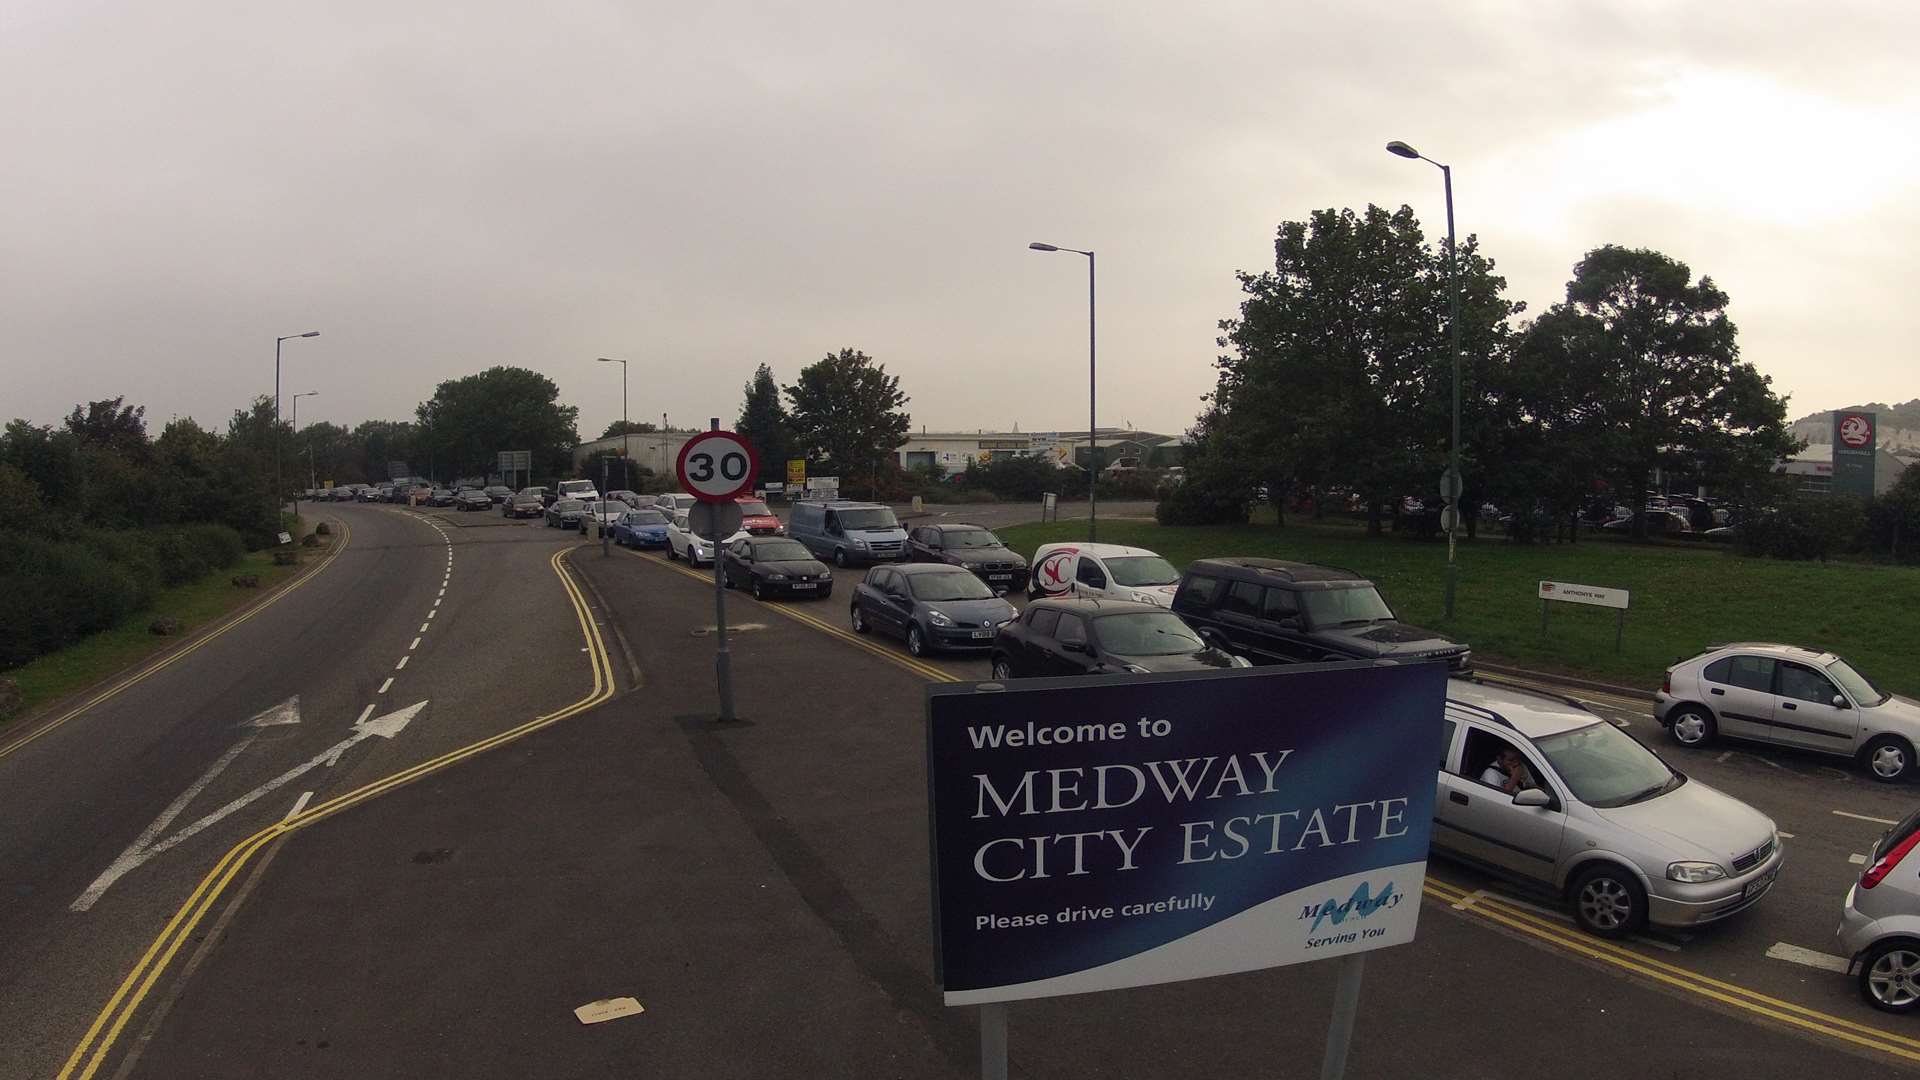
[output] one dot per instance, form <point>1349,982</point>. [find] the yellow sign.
<point>797,471</point>
<point>329,485</point>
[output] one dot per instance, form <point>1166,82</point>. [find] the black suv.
<point>973,547</point>
<point>1084,636</point>
<point>1276,612</point>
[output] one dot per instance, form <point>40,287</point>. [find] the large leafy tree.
<point>1341,370</point>
<point>1639,369</point>
<point>847,411</point>
<point>764,423</point>
<point>627,427</point>
<point>468,421</point>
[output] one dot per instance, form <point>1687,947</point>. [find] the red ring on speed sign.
<point>715,457</point>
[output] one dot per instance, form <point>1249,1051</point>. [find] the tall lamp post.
<point>1450,485</point>
<point>626,443</point>
<point>296,429</point>
<point>1093,439</point>
<point>277,489</point>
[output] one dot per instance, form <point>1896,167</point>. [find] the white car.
<point>684,543</point>
<point>674,503</point>
<point>1789,696</point>
<point>584,490</point>
<point>1102,571</point>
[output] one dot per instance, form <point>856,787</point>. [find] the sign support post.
<point>716,467</point>
<point>993,1041</point>
<point>1346,1003</point>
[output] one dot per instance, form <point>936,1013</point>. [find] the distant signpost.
<point>1566,592</point>
<point>717,467</point>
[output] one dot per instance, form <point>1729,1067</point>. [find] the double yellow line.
<point>186,650</point>
<point>912,664</point>
<point>1493,909</point>
<point>119,1009</point>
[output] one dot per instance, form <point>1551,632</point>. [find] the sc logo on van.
<point>1051,575</point>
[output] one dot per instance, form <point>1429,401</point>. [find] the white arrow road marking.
<point>287,712</point>
<point>145,848</point>
<point>136,852</point>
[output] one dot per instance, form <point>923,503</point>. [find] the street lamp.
<point>296,430</point>
<point>276,411</point>
<point>1450,486</point>
<point>1093,439</point>
<point>626,445</point>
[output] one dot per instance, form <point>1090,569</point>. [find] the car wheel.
<point>916,641</point>
<point>726,580</point>
<point>758,592</point>
<point>1692,726</point>
<point>1002,669</point>
<point>858,620</point>
<point>840,558</point>
<point>1608,901</point>
<point>672,556</point>
<point>1888,758</point>
<point>1890,976</point>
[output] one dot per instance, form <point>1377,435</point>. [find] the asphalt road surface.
<point>561,823</point>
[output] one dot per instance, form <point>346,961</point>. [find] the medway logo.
<point>1358,906</point>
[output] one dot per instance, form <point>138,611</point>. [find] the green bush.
<point>53,594</point>
<point>1196,503</point>
<point>1804,526</point>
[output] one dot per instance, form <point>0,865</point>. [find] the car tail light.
<point>1884,865</point>
<point>1666,683</point>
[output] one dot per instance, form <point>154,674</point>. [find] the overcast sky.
<point>440,188</point>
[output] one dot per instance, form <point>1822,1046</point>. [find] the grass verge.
<point>1684,598</point>
<point>195,604</point>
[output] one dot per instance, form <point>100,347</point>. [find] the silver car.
<point>1789,696</point>
<point>1880,925</point>
<point>1588,812</point>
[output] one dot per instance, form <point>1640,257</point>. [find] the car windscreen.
<point>878,517</point>
<point>568,504</point>
<point>1146,633</point>
<point>753,508</point>
<point>782,551</point>
<point>646,517</point>
<point>1336,607</point>
<point>1857,686</point>
<point>969,538</point>
<point>958,585</point>
<point>609,507</point>
<point>1137,570</point>
<point>1606,767</point>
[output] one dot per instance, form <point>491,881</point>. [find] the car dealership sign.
<point>1131,830</point>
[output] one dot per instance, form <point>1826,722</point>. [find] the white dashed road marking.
<point>384,685</point>
<point>1864,817</point>
<point>1794,954</point>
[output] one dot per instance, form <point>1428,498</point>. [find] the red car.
<point>756,519</point>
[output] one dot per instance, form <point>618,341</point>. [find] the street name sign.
<point>1093,834</point>
<point>1569,593</point>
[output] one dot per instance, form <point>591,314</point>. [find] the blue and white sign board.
<point>1099,833</point>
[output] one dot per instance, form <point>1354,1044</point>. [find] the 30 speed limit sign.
<point>717,466</point>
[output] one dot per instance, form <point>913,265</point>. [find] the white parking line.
<point>415,645</point>
<point>384,685</point>
<point>1794,954</point>
<point>423,628</point>
<point>1864,817</point>
<point>436,603</point>
<point>364,713</point>
<point>299,804</point>
<point>432,613</point>
<point>1786,836</point>
<point>402,664</point>
<point>1857,859</point>
<point>1724,755</point>
<point>1469,900</point>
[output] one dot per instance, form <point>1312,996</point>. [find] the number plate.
<point>1758,886</point>
<point>982,634</point>
<point>803,585</point>
<point>999,577</point>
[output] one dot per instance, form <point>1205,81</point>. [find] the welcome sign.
<point>1092,834</point>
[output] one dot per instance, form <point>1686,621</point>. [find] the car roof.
<point>1774,649</point>
<point>841,504</point>
<point>1532,713</point>
<point>956,525</point>
<point>1087,605</point>
<point>927,568</point>
<point>1253,569</point>
<point>1103,551</point>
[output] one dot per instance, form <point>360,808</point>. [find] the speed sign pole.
<point>718,467</point>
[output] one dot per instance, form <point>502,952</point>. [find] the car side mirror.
<point>1839,702</point>
<point>1073,646</point>
<point>1290,622</point>
<point>1532,796</point>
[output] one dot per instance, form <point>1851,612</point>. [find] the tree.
<point>1640,370</point>
<point>763,423</point>
<point>468,421</point>
<point>847,411</point>
<point>1341,372</point>
<point>111,423</point>
<point>627,427</point>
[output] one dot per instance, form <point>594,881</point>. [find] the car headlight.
<point>859,543</point>
<point>1134,669</point>
<point>1695,872</point>
<point>826,575</point>
<point>1240,661</point>
<point>939,618</point>
<point>776,577</point>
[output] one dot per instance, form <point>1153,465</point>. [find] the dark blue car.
<point>641,529</point>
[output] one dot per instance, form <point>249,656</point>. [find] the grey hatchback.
<point>932,605</point>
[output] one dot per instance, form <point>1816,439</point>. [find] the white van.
<point>1106,571</point>
<point>583,490</point>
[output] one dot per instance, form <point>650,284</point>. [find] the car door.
<point>1280,625</point>
<point>923,545</point>
<point>739,569</point>
<point>1483,823</point>
<point>1072,652</point>
<point>1238,617</point>
<point>888,595</point>
<point>1804,714</point>
<point>1035,641</point>
<point>1089,577</point>
<point>1740,693</point>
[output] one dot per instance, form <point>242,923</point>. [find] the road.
<point>760,889</point>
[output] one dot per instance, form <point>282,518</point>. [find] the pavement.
<point>760,888</point>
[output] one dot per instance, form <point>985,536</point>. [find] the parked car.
<point>1789,696</point>
<point>1085,636</point>
<point>546,496</point>
<point>972,547</point>
<point>932,606</point>
<point>566,514</point>
<point>684,543</point>
<point>674,503</point>
<point>1277,612</point>
<point>641,529</point>
<point>756,519</point>
<point>498,493</point>
<point>1111,571</point>
<point>1880,922</point>
<point>1588,812</point>
<point>845,533</point>
<point>441,497</point>
<point>774,566</point>
<point>1660,522</point>
<point>584,490</point>
<point>523,504</point>
<point>631,498</point>
<point>602,514</point>
<point>472,499</point>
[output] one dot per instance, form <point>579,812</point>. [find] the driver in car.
<point>1508,772</point>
